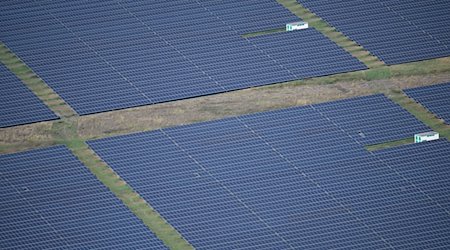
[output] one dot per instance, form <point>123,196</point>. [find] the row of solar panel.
<point>18,105</point>
<point>242,18</point>
<point>394,31</point>
<point>101,57</point>
<point>50,200</point>
<point>435,98</point>
<point>292,178</point>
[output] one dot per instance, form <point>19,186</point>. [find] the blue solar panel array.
<point>49,200</point>
<point>435,98</point>
<point>426,165</point>
<point>286,179</point>
<point>101,56</point>
<point>372,119</point>
<point>18,105</point>
<point>249,16</point>
<point>396,31</point>
<point>298,52</point>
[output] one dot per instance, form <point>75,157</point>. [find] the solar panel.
<point>250,16</point>
<point>100,56</point>
<point>285,179</point>
<point>372,119</point>
<point>435,98</point>
<point>18,105</point>
<point>424,164</point>
<point>395,31</point>
<point>51,201</point>
<point>306,54</point>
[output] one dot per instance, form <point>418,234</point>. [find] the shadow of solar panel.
<point>100,56</point>
<point>290,178</point>
<point>18,105</point>
<point>50,200</point>
<point>394,31</point>
<point>435,98</point>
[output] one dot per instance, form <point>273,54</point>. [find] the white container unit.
<point>296,26</point>
<point>428,136</point>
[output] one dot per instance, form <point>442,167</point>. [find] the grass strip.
<point>329,31</point>
<point>65,132</point>
<point>390,144</point>
<point>33,82</point>
<point>420,68</point>
<point>421,113</point>
<point>143,210</point>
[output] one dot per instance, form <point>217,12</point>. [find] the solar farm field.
<point>119,54</point>
<point>51,201</point>
<point>18,105</point>
<point>435,98</point>
<point>430,177</point>
<point>371,119</point>
<point>396,31</point>
<point>294,178</point>
<point>210,124</point>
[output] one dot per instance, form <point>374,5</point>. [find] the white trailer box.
<point>428,136</point>
<point>296,26</point>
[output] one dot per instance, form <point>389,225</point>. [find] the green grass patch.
<point>377,74</point>
<point>434,66</point>
<point>389,144</point>
<point>266,32</point>
<point>320,25</point>
<point>421,114</point>
<point>75,143</point>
